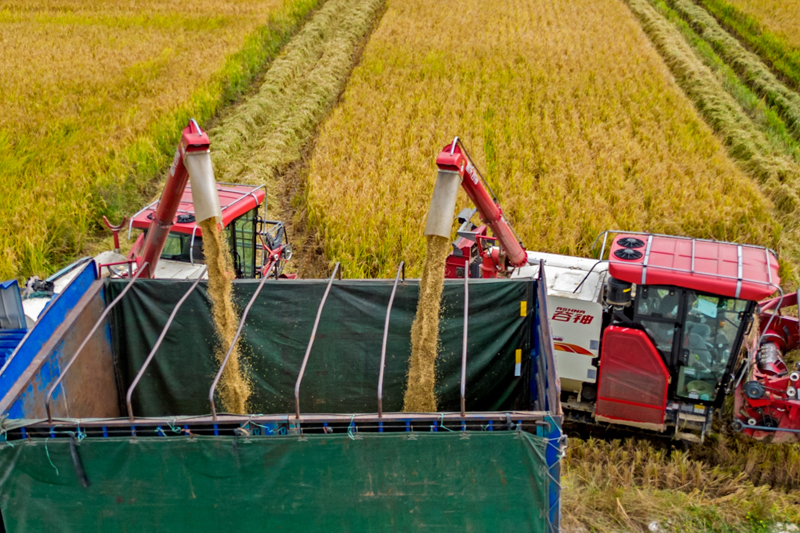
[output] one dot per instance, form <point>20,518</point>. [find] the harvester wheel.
<point>737,426</point>
<point>753,390</point>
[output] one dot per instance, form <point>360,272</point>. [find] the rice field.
<point>575,132</point>
<point>632,485</point>
<point>265,139</point>
<point>754,149</point>
<point>584,116</point>
<point>94,95</point>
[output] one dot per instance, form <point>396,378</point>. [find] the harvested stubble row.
<point>93,95</point>
<point>769,27</point>
<point>748,65</point>
<point>632,485</point>
<point>263,139</point>
<point>761,111</point>
<point>576,132</point>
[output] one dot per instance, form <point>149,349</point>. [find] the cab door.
<point>243,244</point>
<point>660,311</point>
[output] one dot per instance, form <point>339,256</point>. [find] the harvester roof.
<point>727,269</point>
<point>235,200</point>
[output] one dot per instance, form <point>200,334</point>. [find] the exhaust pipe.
<point>443,204</point>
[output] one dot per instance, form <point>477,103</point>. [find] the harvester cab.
<point>649,334</point>
<point>655,340</point>
<point>257,245</point>
<point>171,243</point>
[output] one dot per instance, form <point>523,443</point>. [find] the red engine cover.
<point>633,380</point>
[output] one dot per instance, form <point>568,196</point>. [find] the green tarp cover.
<point>342,372</point>
<point>482,481</point>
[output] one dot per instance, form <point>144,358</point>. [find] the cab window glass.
<point>178,247</point>
<point>662,334</point>
<point>659,302</point>
<point>244,242</point>
<point>658,307</point>
<point>712,325</point>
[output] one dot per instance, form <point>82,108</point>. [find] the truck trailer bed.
<point>329,457</point>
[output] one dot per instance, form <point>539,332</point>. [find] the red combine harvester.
<point>648,336</point>
<point>171,243</point>
<point>256,244</point>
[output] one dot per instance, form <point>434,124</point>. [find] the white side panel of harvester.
<point>574,295</point>
<point>181,270</point>
<point>575,325</point>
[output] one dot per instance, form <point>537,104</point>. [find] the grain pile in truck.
<point>313,447</point>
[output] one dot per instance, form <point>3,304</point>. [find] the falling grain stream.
<point>234,387</point>
<point>420,396</point>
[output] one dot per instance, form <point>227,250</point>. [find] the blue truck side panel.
<point>51,318</point>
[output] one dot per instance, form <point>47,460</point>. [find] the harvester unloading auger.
<point>651,336</point>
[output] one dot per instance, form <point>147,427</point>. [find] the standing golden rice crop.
<point>567,108</point>
<point>94,95</point>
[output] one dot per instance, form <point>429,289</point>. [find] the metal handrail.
<point>605,233</point>
<point>311,341</point>
<point>479,416</point>
<point>464,348</point>
<point>103,316</point>
<point>400,270</point>
<point>768,283</point>
<point>214,384</point>
<point>157,345</point>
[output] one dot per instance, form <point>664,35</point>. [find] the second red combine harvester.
<point>171,244</point>
<point>649,334</point>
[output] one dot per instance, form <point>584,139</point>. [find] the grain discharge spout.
<point>420,390</point>
<point>192,161</point>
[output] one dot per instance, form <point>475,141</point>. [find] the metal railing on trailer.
<point>546,390</point>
